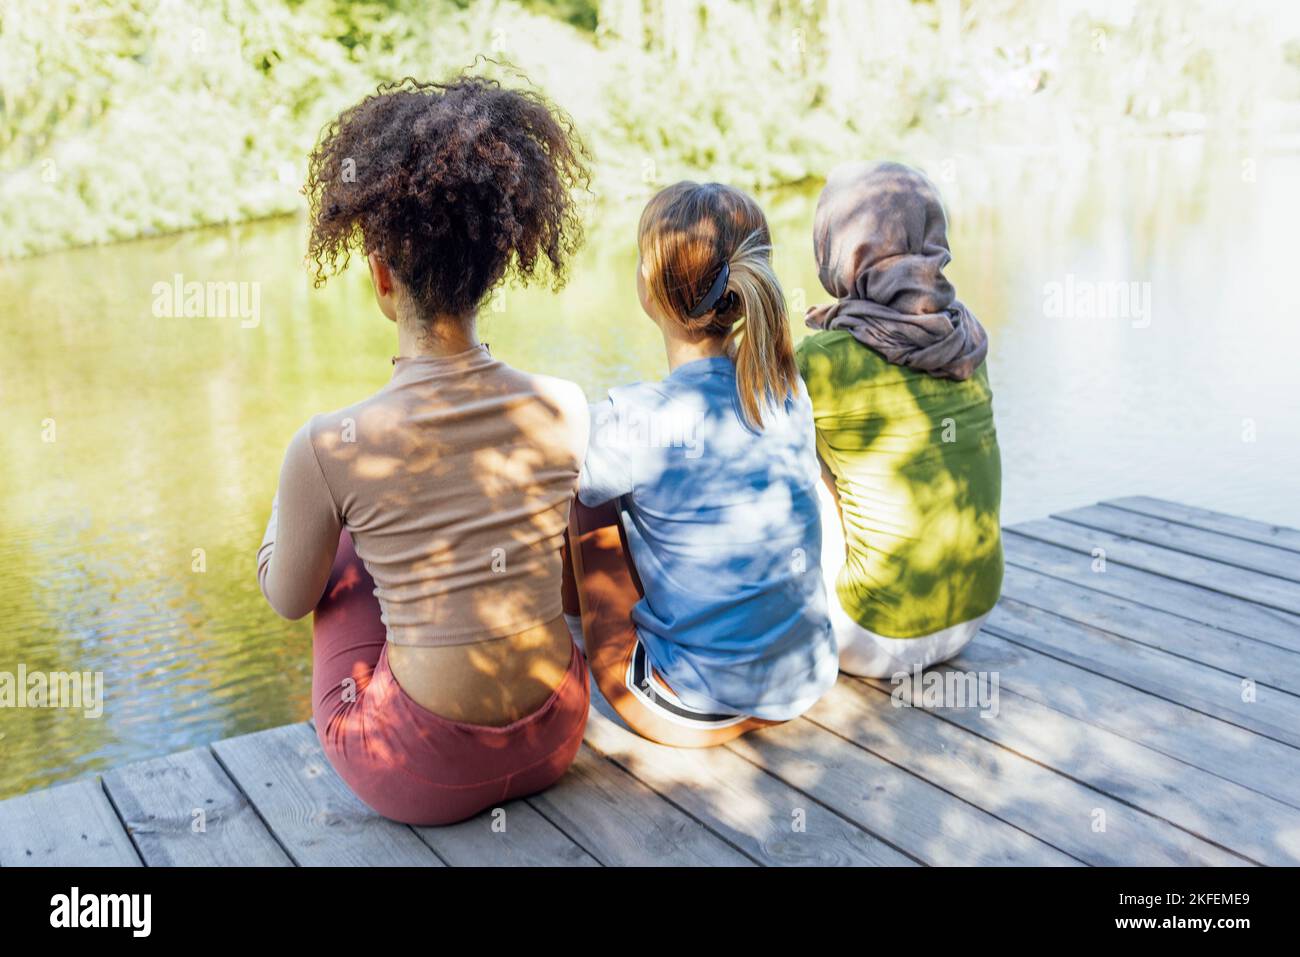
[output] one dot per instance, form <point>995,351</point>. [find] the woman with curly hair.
<point>424,525</point>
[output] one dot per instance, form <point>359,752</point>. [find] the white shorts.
<point>863,652</point>
<point>868,655</point>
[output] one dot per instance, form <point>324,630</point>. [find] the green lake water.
<point>167,433</point>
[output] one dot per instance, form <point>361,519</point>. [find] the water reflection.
<point>168,432</point>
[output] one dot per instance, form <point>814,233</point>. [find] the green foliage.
<point>583,14</point>
<point>122,118</point>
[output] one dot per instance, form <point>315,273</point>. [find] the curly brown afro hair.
<point>453,184</point>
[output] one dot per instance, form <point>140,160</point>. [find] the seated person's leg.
<point>607,589</point>
<point>348,637</point>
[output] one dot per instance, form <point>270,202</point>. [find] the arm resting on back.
<point>828,479</point>
<point>293,564</point>
<point>612,460</point>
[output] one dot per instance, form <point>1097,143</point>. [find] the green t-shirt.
<point>919,477</point>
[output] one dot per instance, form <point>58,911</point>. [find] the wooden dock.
<point>1148,712</point>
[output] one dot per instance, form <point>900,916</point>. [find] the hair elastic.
<point>714,294</point>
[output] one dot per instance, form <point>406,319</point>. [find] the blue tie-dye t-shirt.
<point>722,523</point>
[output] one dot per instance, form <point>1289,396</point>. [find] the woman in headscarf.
<point>912,548</point>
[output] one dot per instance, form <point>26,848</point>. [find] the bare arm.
<point>832,520</point>
<point>828,479</point>
<point>302,536</point>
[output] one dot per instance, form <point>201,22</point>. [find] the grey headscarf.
<point>881,241</point>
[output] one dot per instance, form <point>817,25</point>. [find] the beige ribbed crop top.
<point>455,481</point>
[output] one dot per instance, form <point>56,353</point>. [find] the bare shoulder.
<point>571,402</point>
<point>568,396</point>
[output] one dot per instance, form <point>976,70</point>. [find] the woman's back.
<point>918,475</point>
<point>723,528</point>
<point>454,481</point>
<point>423,527</point>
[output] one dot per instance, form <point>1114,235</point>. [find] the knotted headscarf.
<point>881,241</point>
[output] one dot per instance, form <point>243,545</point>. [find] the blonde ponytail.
<point>688,233</point>
<point>759,340</point>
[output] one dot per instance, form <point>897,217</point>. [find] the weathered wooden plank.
<point>1266,559</point>
<point>1056,809</point>
<point>183,810</point>
<point>1207,573</point>
<point>916,816</point>
<point>1193,737</point>
<point>1234,615</point>
<point>1217,810</point>
<point>70,825</point>
<point>1269,711</point>
<point>620,821</point>
<point>312,813</point>
<point>1120,697</point>
<point>1253,531</point>
<point>767,819</point>
<point>513,835</point>
<point>1267,663</point>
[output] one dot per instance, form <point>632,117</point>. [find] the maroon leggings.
<point>403,760</point>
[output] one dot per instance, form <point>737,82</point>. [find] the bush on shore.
<point>137,117</point>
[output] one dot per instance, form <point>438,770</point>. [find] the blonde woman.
<point>696,538</point>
